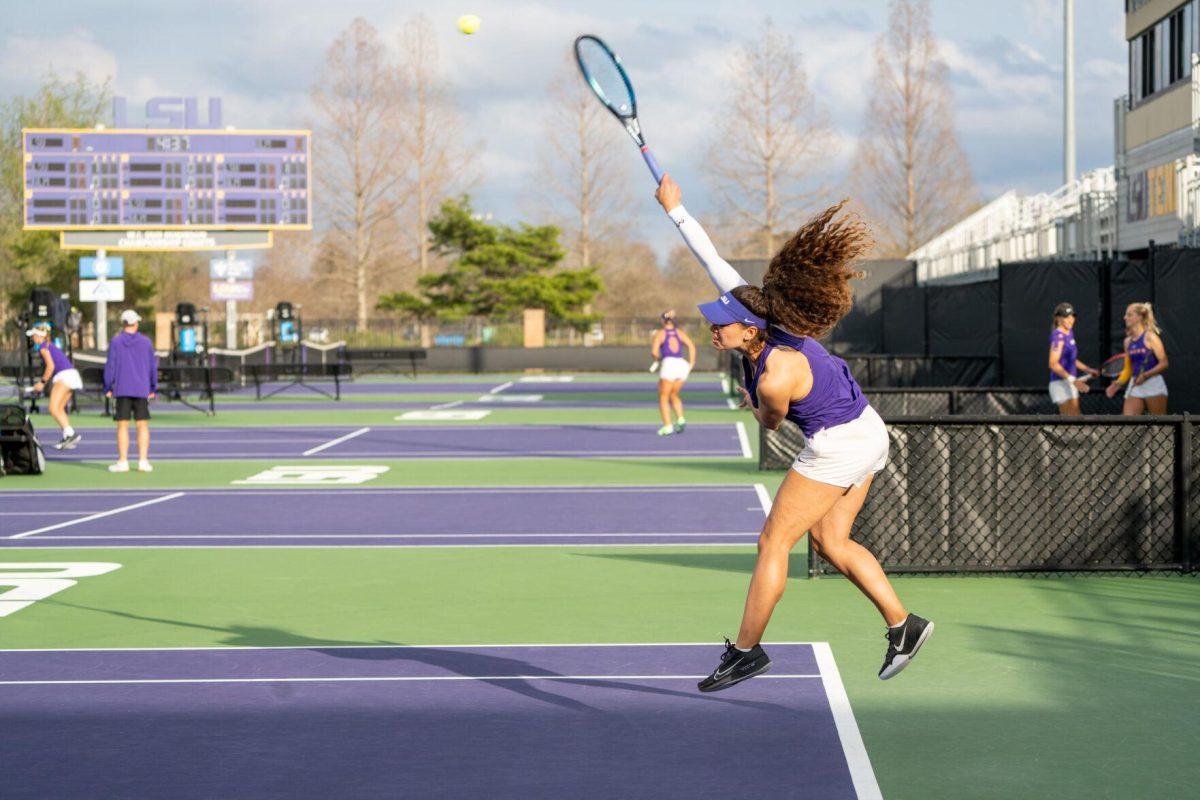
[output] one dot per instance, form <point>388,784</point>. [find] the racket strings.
<point>605,77</point>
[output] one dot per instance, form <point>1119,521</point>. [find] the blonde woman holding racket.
<point>1146,390</point>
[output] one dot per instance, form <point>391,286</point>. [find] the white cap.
<point>40,329</point>
<point>130,317</point>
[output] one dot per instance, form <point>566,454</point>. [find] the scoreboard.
<point>89,179</point>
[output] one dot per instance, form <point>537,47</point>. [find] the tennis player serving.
<point>789,376</point>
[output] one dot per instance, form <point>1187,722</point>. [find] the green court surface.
<point>1048,687</point>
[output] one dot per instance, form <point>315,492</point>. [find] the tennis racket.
<point>603,72</point>
<point>1114,368</point>
<point>654,365</point>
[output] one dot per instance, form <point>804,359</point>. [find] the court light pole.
<point>1068,91</point>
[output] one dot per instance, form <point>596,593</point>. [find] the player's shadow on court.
<point>463,662</point>
<point>741,563</point>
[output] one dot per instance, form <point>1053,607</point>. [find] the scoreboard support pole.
<point>231,342</point>
<point>101,314</point>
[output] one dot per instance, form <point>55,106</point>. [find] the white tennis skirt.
<point>846,454</point>
<point>1063,391</point>
<point>674,369</point>
<point>69,378</point>
<point>1151,387</point>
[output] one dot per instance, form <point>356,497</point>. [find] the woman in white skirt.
<point>62,378</point>
<point>667,348</point>
<point>1146,360</point>
<point>790,376</point>
<point>1065,383</point>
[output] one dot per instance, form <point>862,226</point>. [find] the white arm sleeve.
<point>723,276</point>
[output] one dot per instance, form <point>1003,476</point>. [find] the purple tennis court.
<point>312,402</point>
<point>675,515</point>
<point>717,440</point>
<point>543,387</point>
<point>509,721</point>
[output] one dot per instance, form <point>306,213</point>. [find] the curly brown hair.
<point>806,288</point>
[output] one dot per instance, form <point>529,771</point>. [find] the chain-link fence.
<point>912,402</point>
<point>962,494</point>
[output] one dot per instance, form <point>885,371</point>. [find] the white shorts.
<point>69,378</point>
<point>846,454</point>
<point>674,369</point>
<point>1153,386</point>
<point>1062,391</point>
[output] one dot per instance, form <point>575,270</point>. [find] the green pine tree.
<point>498,270</point>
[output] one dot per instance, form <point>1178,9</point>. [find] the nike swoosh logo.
<point>722,673</point>
<point>903,636</point>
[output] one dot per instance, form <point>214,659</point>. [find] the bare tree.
<point>910,174</point>
<point>584,167</point>
<point>771,135</point>
<point>358,152</point>
<point>429,135</point>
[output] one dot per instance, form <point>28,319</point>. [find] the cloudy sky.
<point>261,57</point>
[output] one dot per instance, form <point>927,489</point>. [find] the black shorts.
<point>137,407</point>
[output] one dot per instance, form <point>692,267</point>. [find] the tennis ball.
<point>468,23</point>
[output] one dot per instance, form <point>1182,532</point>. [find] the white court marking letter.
<point>31,581</point>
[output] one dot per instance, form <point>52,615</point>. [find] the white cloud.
<point>25,59</point>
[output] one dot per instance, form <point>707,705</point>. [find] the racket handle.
<point>655,170</point>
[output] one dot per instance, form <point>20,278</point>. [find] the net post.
<point>1186,537</point>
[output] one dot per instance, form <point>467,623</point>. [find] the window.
<point>1162,55</point>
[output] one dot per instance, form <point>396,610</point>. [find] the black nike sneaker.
<point>68,442</point>
<point>736,667</point>
<point>903,643</point>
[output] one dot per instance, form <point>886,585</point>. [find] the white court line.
<point>440,488</point>
<point>729,401</point>
<point>376,647</point>
<point>120,510</point>
<point>444,406</point>
<point>286,536</point>
<point>377,679</point>
<point>744,440</point>
<point>764,498</point>
<point>861,772</point>
<point>336,441</point>
<point>291,546</point>
<point>500,388</point>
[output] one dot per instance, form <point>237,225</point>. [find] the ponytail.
<point>1146,312</point>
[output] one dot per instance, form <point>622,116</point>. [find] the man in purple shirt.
<point>131,377</point>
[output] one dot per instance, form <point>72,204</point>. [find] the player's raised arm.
<point>723,276</point>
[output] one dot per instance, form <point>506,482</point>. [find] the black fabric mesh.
<point>966,496</point>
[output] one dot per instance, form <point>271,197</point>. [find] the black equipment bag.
<point>20,451</point>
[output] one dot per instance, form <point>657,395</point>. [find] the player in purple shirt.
<point>1065,383</point>
<point>1146,391</point>
<point>789,376</point>
<point>667,348</point>
<point>62,378</point>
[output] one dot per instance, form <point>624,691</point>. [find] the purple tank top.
<point>1141,357</point>
<point>671,346</point>
<point>61,362</point>
<point>1070,353</point>
<point>835,398</point>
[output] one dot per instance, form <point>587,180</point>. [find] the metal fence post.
<point>1183,491</point>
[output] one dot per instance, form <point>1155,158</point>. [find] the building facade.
<point>1150,194</point>
<point>1156,131</point>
